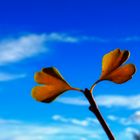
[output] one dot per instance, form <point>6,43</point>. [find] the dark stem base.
<point>94,108</point>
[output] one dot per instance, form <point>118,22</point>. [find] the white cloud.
<point>19,48</point>
<point>134,119</point>
<point>59,118</point>
<point>10,121</point>
<point>130,39</point>
<point>94,39</point>
<point>123,121</point>
<point>130,102</point>
<point>18,130</point>
<point>72,101</point>
<point>61,37</point>
<point>112,117</point>
<point>85,122</point>
<point>127,134</point>
<point>16,49</point>
<point>131,130</point>
<point>7,76</point>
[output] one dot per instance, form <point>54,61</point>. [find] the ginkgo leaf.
<point>53,72</point>
<point>112,61</point>
<point>112,69</point>
<point>47,93</point>
<point>54,85</point>
<point>122,74</point>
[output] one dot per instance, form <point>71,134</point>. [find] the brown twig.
<point>94,108</point>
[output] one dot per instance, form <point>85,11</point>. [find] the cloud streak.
<point>63,37</point>
<point>131,120</point>
<point>26,46</point>
<point>74,121</point>
<point>18,130</point>
<point>16,49</point>
<point>127,134</point>
<point>130,39</point>
<point>8,76</point>
<point>130,102</point>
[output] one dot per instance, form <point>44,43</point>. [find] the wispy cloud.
<point>26,46</point>
<point>130,102</point>
<point>8,76</point>
<point>9,121</point>
<point>136,117</point>
<point>16,49</point>
<point>130,39</point>
<point>131,130</point>
<point>17,130</point>
<point>113,118</point>
<point>72,101</point>
<point>131,120</point>
<point>127,134</point>
<point>62,37</point>
<point>85,122</point>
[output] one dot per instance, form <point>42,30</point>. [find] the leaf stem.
<point>92,87</point>
<point>77,89</point>
<point>94,108</point>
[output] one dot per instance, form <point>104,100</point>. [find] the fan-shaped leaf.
<point>112,61</point>
<point>112,69</point>
<point>47,93</point>
<point>122,74</point>
<point>54,85</point>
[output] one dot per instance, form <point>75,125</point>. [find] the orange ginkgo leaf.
<point>122,74</point>
<point>53,85</point>
<point>112,61</point>
<point>112,69</point>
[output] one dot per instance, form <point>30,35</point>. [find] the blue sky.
<point>73,36</point>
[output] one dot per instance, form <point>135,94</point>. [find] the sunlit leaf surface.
<point>122,74</point>
<point>112,69</point>
<point>53,85</point>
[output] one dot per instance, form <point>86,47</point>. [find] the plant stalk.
<point>94,108</point>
